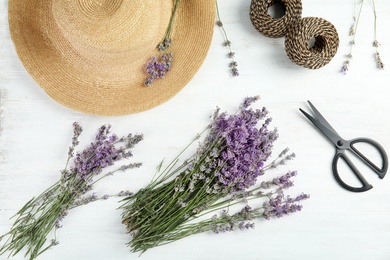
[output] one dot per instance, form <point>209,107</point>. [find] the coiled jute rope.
<point>298,32</point>
<point>270,26</point>
<point>325,46</point>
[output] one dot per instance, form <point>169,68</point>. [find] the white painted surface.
<point>35,132</point>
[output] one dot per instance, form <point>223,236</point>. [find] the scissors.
<point>348,145</point>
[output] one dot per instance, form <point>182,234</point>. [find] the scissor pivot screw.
<point>340,143</point>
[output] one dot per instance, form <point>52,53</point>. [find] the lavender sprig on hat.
<point>158,67</point>
<point>37,219</point>
<point>201,193</point>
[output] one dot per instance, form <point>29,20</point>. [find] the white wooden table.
<point>35,132</point>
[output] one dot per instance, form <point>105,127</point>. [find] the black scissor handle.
<point>385,163</point>
<point>341,154</point>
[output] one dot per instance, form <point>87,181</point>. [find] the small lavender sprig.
<point>158,66</point>
<point>376,44</point>
<point>94,197</point>
<point>352,33</point>
<point>221,173</point>
<point>227,43</point>
<point>45,213</point>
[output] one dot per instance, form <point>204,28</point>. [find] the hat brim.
<point>80,84</point>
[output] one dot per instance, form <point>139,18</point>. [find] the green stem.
<point>375,23</point>
<point>356,22</point>
<point>168,32</point>
<point>226,39</point>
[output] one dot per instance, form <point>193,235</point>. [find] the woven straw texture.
<point>90,55</point>
<point>325,46</point>
<point>270,26</point>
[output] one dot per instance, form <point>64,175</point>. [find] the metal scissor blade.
<point>320,118</point>
<point>322,125</point>
<point>312,119</point>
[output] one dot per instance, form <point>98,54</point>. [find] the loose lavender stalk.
<point>233,64</point>
<point>353,31</point>
<point>43,214</point>
<point>223,172</point>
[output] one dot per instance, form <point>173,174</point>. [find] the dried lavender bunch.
<point>43,214</point>
<point>159,65</point>
<point>233,64</point>
<point>224,171</point>
<point>358,6</point>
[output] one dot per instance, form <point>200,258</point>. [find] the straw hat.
<point>90,55</point>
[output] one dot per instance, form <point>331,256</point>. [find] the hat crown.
<point>90,55</point>
<point>112,26</point>
<point>99,8</point>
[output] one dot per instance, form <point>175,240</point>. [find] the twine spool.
<point>90,55</point>
<point>325,46</point>
<point>270,26</point>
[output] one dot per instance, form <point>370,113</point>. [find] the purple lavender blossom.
<point>248,101</point>
<point>157,68</point>
<point>235,72</point>
<point>100,154</point>
<point>91,161</point>
<point>77,129</point>
<point>246,147</point>
<point>165,44</point>
<point>284,181</point>
<point>241,226</point>
<point>250,225</point>
<point>280,205</point>
<point>133,140</point>
<point>344,68</point>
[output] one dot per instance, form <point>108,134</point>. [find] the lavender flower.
<point>223,171</point>
<point>156,69</point>
<point>379,63</point>
<point>54,242</point>
<point>100,154</point>
<point>77,129</point>
<point>227,43</point>
<point>284,181</point>
<point>165,44</point>
<point>246,147</point>
<point>345,67</point>
<point>280,205</point>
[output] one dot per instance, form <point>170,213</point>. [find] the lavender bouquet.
<point>185,197</point>
<point>39,216</point>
